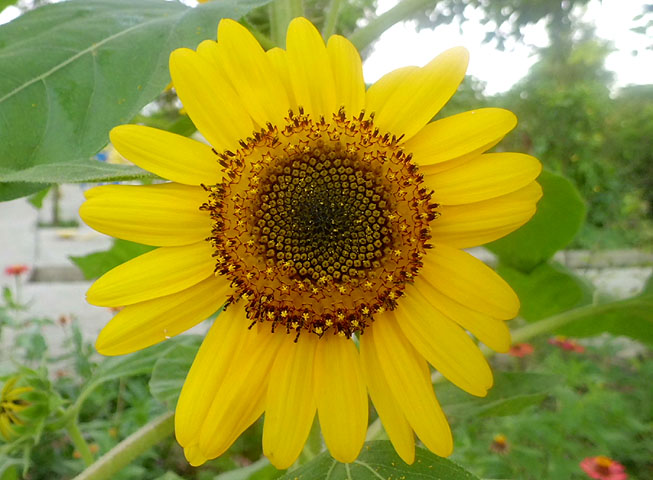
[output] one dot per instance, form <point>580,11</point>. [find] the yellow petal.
<point>155,274</point>
<point>290,401</point>
<point>410,381</point>
<point>467,280</point>
<point>381,90</point>
<point>491,331</point>
<point>443,344</point>
<point>310,69</point>
<point>209,99</point>
<point>458,135</point>
<point>393,419</point>
<point>255,80</point>
<point>240,400</point>
<point>175,157</point>
<point>207,373</point>
<point>487,176</point>
<point>348,74</point>
<point>279,62</point>
<point>6,430</point>
<point>194,455</point>
<point>473,224</point>
<point>161,215</point>
<point>421,94</point>
<point>341,397</point>
<point>143,324</point>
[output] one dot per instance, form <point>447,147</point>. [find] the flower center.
<point>323,215</point>
<point>603,464</point>
<point>319,224</point>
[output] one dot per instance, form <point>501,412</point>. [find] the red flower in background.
<point>521,350</point>
<point>566,344</point>
<point>603,468</point>
<point>15,270</point>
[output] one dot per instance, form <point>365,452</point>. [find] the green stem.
<point>131,447</point>
<point>370,32</point>
<point>281,13</point>
<point>79,442</point>
<point>266,42</point>
<point>556,321</point>
<point>331,19</point>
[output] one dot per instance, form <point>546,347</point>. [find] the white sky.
<point>401,45</point>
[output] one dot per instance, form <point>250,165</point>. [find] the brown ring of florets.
<point>319,225</point>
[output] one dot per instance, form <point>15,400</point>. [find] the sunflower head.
<point>21,405</point>
<point>319,224</point>
<point>330,219</point>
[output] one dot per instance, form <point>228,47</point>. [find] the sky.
<point>402,45</point>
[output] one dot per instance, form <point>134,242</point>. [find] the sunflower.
<point>12,403</point>
<point>329,221</point>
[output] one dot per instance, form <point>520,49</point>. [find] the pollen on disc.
<point>319,224</point>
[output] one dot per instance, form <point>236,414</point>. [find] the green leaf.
<point>97,264</point>
<point>73,70</point>
<point>6,3</point>
<point>632,317</point>
<point>548,289</point>
<point>11,191</point>
<point>170,371</point>
<point>560,214</point>
<point>378,460</point>
<point>257,470</point>
<point>138,363</point>
<point>78,172</point>
<point>36,200</point>
<point>512,392</point>
<point>113,368</point>
<point>170,475</point>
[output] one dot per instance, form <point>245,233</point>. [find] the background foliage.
<point>106,64</point>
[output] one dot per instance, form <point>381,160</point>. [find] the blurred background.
<point>579,76</point>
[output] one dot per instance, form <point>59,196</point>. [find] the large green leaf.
<point>512,392</point>
<point>559,216</point>
<point>548,289</point>
<point>96,264</point>
<point>10,191</point>
<point>632,317</point>
<point>378,460</point>
<point>73,70</point>
<point>170,370</point>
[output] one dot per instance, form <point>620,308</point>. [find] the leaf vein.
<point>75,57</point>
<point>376,474</point>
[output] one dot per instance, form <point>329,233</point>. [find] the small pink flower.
<point>603,468</point>
<point>16,270</point>
<point>566,344</point>
<point>521,350</point>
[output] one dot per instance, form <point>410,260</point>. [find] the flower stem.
<point>331,19</point>
<point>266,42</point>
<point>370,32</point>
<point>130,448</point>
<point>281,13</point>
<point>78,441</point>
<point>554,322</point>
